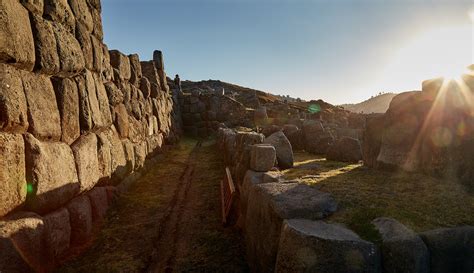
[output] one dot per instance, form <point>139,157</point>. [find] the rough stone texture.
<point>12,174</point>
<point>149,71</point>
<point>43,113</point>
<point>104,156</point>
<point>103,101</point>
<point>121,62</point>
<point>114,94</point>
<point>451,249</point>
<point>262,157</point>
<point>13,107</point>
<point>22,244</point>
<point>314,136</point>
<point>84,38</point>
<point>85,154</point>
<point>47,59</point>
<point>315,246</point>
<point>402,249</point>
<point>284,151</point>
<point>270,129</point>
<point>129,155</point>
<point>268,205</point>
<point>80,215</point>
<point>82,13</point>
<point>68,103</point>
<point>60,12</point>
<point>18,49</point>
<point>51,171</point>
<point>140,154</point>
<point>98,31</point>
<point>346,149</point>
<point>117,153</point>
<point>99,203</point>
<point>100,60</point>
<point>90,112</point>
<point>372,140</point>
<point>136,70</point>
<point>145,87</point>
<point>121,120</point>
<point>71,58</point>
<point>34,6</point>
<point>58,232</point>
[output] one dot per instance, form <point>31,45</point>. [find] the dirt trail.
<point>169,220</point>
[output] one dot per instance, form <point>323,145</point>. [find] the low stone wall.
<point>75,120</point>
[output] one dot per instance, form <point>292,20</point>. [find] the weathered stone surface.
<point>315,246</point>
<point>154,144</point>
<point>18,49</point>
<point>85,154</point>
<point>346,149</point>
<point>114,94</point>
<point>268,205</point>
<point>47,58</point>
<point>451,249</point>
<point>22,244</point>
<point>57,232</point>
<point>43,113</point>
<point>312,130</point>
<point>129,155</point>
<point>284,151</point>
<point>80,215</point>
<point>149,71</point>
<point>90,114</point>
<point>99,203</point>
<point>262,157</point>
<point>84,38</point>
<point>160,67</point>
<point>104,156</point>
<point>71,58</point>
<point>98,30</point>
<point>13,108</point>
<point>120,61</point>
<point>136,70</point>
<point>402,249</point>
<point>140,154</point>
<point>12,174</point>
<point>117,154</point>
<point>103,101</point>
<point>82,14</point>
<point>121,120</point>
<point>68,103</point>
<point>34,6</point>
<point>145,87</point>
<point>372,140</point>
<point>59,11</point>
<point>51,172</point>
<point>99,58</point>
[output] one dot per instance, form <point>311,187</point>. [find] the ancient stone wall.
<point>75,120</point>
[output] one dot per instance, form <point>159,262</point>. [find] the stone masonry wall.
<point>75,120</point>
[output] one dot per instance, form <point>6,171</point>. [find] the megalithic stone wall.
<point>75,120</point>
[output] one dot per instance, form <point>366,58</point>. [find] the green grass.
<point>419,201</point>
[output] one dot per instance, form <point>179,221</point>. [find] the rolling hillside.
<point>377,104</point>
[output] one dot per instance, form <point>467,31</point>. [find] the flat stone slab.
<point>268,205</point>
<point>316,246</point>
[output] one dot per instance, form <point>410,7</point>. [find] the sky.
<point>341,51</point>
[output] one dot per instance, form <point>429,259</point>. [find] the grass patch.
<point>419,201</point>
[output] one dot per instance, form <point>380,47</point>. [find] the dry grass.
<point>416,200</point>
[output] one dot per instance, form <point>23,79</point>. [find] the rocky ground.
<point>173,210</point>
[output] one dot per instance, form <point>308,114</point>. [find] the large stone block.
<point>51,174</point>
<point>98,55</point>
<point>34,6</point>
<point>118,160</point>
<point>68,103</point>
<point>103,101</point>
<point>22,244</point>
<point>43,113</point>
<point>346,149</point>
<point>136,70</point>
<point>104,156</point>
<point>140,154</point>
<point>145,87</point>
<point>12,174</point>
<point>268,205</point>
<point>18,49</point>
<point>85,153</point>
<point>149,71</point>
<point>284,151</point>
<point>114,94</point>
<point>80,215</point>
<point>97,19</point>
<point>121,120</point>
<point>84,38</point>
<point>60,12</point>
<point>99,203</point>
<point>121,62</point>
<point>71,58</point>
<point>451,249</point>
<point>13,108</point>
<point>47,58</point>
<point>82,13</point>
<point>57,232</point>
<point>262,157</point>
<point>129,155</point>
<point>315,246</point>
<point>402,249</point>
<point>90,112</point>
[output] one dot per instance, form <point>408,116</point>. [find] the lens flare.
<point>314,108</point>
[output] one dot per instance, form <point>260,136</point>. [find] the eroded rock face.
<point>80,215</point>
<point>47,59</point>
<point>12,172</point>
<point>315,246</point>
<point>71,58</point>
<point>13,107</point>
<point>121,62</point>
<point>51,172</point>
<point>451,249</point>
<point>284,151</point>
<point>402,249</point>
<point>262,157</point>
<point>346,149</point>
<point>68,103</point>
<point>85,154</point>
<point>99,203</point>
<point>58,232</point>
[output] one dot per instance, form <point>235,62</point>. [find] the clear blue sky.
<point>338,50</point>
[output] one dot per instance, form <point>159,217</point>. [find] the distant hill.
<point>377,104</point>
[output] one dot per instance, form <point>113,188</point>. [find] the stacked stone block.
<point>74,117</point>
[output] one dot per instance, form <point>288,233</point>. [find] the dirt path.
<point>169,221</point>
